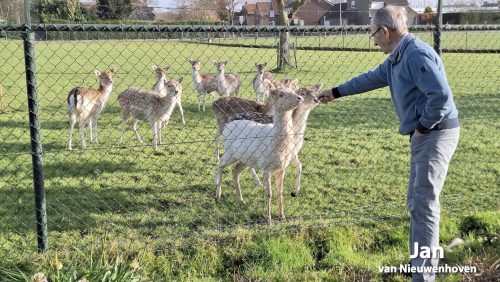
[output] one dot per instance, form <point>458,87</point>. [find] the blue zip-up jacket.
<point>417,81</point>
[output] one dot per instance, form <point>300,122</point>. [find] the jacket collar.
<point>398,51</point>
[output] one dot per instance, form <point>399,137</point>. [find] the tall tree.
<point>11,10</point>
<point>226,8</point>
<point>284,56</point>
<point>70,10</point>
<point>114,9</point>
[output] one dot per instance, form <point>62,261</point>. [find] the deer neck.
<point>299,117</point>
<point>105,91</point>
<point>269,108</point>
<point>221,77</point>
<point>159,86</point>
<point>166,103</point>
<point>283,126</point>
<point>197,77</point>
<point>259,78</point>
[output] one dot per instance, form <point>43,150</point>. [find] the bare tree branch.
<point>296,6</point>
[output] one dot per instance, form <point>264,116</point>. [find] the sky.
<point>415,3</point>
<point>165,4</point>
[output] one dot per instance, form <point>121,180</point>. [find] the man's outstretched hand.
<point>326,96</point>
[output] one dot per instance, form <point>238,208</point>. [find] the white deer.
<point>203,83</point>
<point>227,108</point>
<point>299,119</point>
<point>87,105</point>
<point>228,84</point>
<point>151,106</point>
<point>268,147</point>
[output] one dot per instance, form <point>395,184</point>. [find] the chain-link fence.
<point>354,163</point>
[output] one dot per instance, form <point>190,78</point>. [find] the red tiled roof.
<point>250,8</point>
<point>263,6</point>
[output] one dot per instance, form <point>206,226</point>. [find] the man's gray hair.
<point>392,17</point>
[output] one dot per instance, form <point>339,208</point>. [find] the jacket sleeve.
<point>429,76</point>
<point>374,79</point>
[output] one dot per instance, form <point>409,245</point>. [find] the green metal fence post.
<point>36,145</point>
<point>439,28</point>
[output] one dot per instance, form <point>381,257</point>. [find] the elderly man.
<point>424,105</point>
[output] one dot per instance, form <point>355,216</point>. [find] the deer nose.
<point>300,98</point>
<point>316,100</point>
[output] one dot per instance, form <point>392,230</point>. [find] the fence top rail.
<point>193,28</point>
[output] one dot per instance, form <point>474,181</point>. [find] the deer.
<point>151,106</point>
<point>228,84</point>
<point>226,108</point>
<point>203,83</point>
<point>263,82</point>
<point>299,120</point>
<point>87,104</point>
<point>160,85</point>
<point>161,78</point>
<point>267,147</point>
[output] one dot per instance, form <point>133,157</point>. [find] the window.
<point>271,14</point>
<point>353,4</point>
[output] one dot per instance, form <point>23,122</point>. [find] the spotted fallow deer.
<point>87,104</point>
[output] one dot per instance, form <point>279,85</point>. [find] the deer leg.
<point>72,122</point>
<point>134,126</point>
<point>216,141</point>
<point>204,99</point>
<point>298,169</point>
<point>90,129</point>
<point>237,170</point>
<point>267,185</point>
<point>158,130</point>
<point>179,104</point>
<point>255,177</point>
<point>154,129</point>
<point>279,177</point>
<point>94,124</point>
<point>123,125</point>
<point>198,95</point>
<point>82,124</point>
<point>225,161</point>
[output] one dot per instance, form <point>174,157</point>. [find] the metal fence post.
<point>36,145</point>
<point>439,28</point>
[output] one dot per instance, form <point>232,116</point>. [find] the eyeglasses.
<point>373,34</point>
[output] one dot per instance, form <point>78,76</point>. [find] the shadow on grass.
<point>14,124</point>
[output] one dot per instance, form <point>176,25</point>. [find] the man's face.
<point>381,38</point>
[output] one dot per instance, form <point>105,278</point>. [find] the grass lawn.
<point>141,214</point>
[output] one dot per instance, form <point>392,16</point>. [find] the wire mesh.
<point>355,165</point>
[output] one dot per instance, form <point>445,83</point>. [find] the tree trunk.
<point>284,54</point>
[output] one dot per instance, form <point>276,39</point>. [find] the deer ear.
<point>256,65</point>
<point>112,71</point>
<point>155,67</point>
<point>265,64</point>
<point>181,79</point>
<point>317,87</point>
<point>215,62</point>
<point>97,73</point>
<point>225,62</point>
